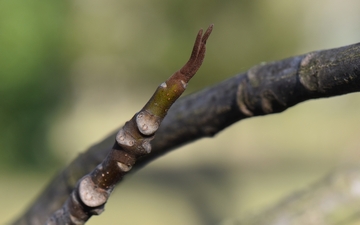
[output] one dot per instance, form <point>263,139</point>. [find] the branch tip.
<point>197,54</point>
<point>207,33</point>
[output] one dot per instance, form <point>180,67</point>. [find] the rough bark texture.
<point>264,89</point>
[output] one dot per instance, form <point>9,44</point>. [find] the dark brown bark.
<point>264,89</point>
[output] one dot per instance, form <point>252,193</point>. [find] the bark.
<point>264,89</point>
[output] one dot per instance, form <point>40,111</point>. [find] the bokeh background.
<point>73,71</point>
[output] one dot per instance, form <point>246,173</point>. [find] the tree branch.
<point>264,89</point>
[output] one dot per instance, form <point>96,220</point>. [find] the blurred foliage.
<point>33,78</point>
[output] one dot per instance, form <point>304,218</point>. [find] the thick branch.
<point>264,89</point>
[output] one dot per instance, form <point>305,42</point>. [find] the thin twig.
<point>132,142</point>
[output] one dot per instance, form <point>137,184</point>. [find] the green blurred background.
<point>73,71</point>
